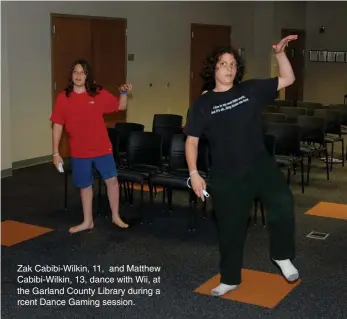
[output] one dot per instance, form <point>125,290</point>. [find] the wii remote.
<point>207,195</point>
<point>60,168</point>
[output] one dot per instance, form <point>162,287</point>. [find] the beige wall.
<point>158,35</point>
<point>6,151</point>
<point>326,82</point>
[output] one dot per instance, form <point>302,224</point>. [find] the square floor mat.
<point>329,210</point>
<point>13,232</point>
<point>257,288</point>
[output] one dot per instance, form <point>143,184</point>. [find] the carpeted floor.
<point>187,259</point>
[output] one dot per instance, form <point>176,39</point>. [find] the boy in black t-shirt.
<point>229,116</point>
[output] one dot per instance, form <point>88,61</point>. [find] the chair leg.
<point>302,175</point>
<point>255,213</point>
<point>332,157</point>
<point>288,175</point>
<point>294,169</point>
<point>128,192</point>
<point>124,185</point>
<point>169,199</point>
<point>262,214</point>
<point>327,162</point>
<point>123,197</point>
<point>151,187</point>
<point>343,152</point>
<point>163,199</point>
<point>309,160</point>
<point>141,192</point>
<point>132,194</point>
<point>150,216</point>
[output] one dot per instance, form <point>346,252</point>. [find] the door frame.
<point>75,16</point>
<point>192,25</point>
<point>293,30</point>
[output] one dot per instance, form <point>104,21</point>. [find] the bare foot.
<point>119,222</point>
<point>81,227</point>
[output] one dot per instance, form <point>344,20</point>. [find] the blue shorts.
<point>82,169</point>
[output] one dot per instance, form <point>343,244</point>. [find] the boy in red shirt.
<point>80,108</point>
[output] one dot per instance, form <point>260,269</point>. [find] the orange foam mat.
<point>146,188</point>
<point>13,232</point>
<point>257,288</point>
<point>329,210</point>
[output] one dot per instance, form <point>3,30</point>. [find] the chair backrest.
<point>177,157</point>
<point>343,109</point>
<point>271,109</point>
<point>292,112</point>
<point>283,103</point>
<point>287,137</point>
<point>124,129</point>
<point>144,148</point>
<point>333,120</point>
<point>310,106</point>
<point>171,120</point>
<point>167,132</point>
<point>312,128</point>
<point>274,117</point>
<point>113,135</point>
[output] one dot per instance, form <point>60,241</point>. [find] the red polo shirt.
<point>82,116</point>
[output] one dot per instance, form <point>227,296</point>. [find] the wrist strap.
<point>55,154</point>
<point>189,186</point>
<point>123,92</point>
<point>193,172</point>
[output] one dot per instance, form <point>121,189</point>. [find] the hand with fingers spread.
<point>198,185</point>
<point>279,48</point>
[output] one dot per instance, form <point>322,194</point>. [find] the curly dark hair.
<point>91,87</point>
<point>208,72</point>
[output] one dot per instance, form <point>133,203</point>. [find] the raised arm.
<point>286,75</point>
<point>111,103</point>
<point>123,99</point>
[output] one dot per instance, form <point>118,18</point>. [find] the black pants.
<point>233,198</point>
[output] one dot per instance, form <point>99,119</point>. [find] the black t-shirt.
<point>232,123</point>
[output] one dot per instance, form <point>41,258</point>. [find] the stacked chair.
<point>156,159</point>
<point>319,126</point>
